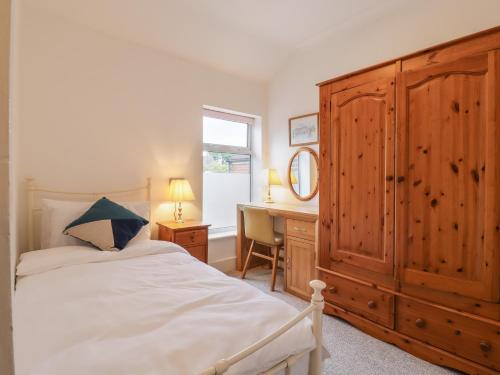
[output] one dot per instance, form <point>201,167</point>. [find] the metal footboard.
<point>315,363</point>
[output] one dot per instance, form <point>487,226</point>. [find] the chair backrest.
<point>259,225</point>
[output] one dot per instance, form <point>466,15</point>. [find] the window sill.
<point>216,236</point>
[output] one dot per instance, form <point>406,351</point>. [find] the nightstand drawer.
<point>301,229</point>
<point>199,252</point>
<point>192,237</point>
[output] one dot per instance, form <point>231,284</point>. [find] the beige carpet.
<point>352,351</point>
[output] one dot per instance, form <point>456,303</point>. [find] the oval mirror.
<point>303,173</point>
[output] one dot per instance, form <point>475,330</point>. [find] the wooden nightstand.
<point>191,235</point>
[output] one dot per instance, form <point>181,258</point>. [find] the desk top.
<point>278,209</point>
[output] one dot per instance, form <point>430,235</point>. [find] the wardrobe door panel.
<point>448,177</point>
<point>363,183</point>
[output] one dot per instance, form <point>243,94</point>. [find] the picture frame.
<point>303,130</point>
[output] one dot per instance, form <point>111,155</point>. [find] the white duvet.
<point>149,309</point>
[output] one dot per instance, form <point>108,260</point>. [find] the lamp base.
<point>178,213</point>
<point>269,199</point>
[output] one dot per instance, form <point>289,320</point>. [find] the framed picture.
<point>303,130</point>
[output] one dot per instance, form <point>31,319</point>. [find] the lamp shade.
<point>180,190</point>
<point>273,177</point>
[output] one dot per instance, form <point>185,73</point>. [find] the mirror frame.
<point>312,194</point>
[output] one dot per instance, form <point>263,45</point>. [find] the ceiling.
<point>252,38</point>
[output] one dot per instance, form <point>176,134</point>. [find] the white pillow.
<point>56,215</point>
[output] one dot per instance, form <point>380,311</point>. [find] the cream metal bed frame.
<point>315,360</point>
<point>221,366</point>
<point>37,192</point>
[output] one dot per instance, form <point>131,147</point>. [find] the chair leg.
<point>247,261</point>
<point>275,267</point>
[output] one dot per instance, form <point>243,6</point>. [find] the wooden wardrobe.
<point>410,202</point>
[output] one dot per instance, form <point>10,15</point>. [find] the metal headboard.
<point>39,192</point>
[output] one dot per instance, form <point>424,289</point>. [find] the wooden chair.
<point>259,227</point>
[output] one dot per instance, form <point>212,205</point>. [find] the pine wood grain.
<point>469,338</point>
<point>363,176</point>
<point>366,301</point>
<point>441,204</point>
<point>441,191</point>
<point>418,348</point>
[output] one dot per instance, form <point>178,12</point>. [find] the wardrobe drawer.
<point>368,302</point>
<point>301,229</point>
<point>473,339</point>
<point>191,237</point>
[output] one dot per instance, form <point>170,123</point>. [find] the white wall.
<point>404,30</point>
<point>95,112</point>
<point>140,109</point>
<point>6,270</point>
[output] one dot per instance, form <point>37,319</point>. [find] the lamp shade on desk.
<point>273,178</point>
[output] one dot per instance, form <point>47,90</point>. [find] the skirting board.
<point>408,344</point>
<point>225,264</point>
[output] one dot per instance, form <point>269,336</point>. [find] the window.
<point>227,161</point>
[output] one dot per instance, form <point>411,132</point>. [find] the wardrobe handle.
<point>333,289</point>
<point>420,323</point>
<point>485,346</point>
<point>372,304</point>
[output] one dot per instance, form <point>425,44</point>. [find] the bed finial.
<point>318,301</point>
<point>221,366</point>
<point>148,188</point>
<point>317,286</point>
<point>30,187</point>
<point>30,183</point>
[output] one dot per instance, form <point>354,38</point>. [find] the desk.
<point>301,243</point>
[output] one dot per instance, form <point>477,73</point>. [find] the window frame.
<point>240,150</point>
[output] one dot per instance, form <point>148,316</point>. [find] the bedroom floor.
<point>351,351</point>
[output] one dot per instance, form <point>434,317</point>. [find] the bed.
<point>152,309</point>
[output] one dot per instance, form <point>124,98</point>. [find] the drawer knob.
<point>333,289</point>
<point>372,304</point>
<point>420,323</point>
<point>485,346</point>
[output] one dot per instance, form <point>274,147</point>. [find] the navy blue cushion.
<point>107,225</point>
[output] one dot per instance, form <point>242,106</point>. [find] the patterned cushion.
<point>106,225</point>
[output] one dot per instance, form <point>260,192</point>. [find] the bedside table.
<point>191,235</point>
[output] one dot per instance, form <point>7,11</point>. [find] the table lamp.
<point>179,191</point>
<point>272,179</point>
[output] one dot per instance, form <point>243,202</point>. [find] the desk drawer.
<point>473,339</point>
<point>301,229</point>
<point>192,237</point>
<point>363,300</point>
